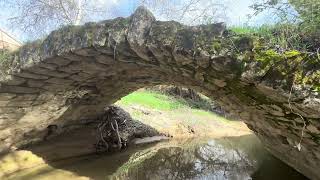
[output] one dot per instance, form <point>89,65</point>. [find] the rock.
<point>313,129</point>
<point>140,24</point>
<point>219,83</point>
<point>32,75</point>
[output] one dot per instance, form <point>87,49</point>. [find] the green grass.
<point>261,30</point>
<point>158,101</point>
<point>152,100</point>
<point>287,36</point>
<point>243,29</point>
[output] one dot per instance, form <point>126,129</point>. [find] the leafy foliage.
<point>5,58</point>
<point>309,13</point>
<point>299,26</point>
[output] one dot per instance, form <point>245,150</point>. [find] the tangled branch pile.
<point>108,131</point>
<point>116,128</point>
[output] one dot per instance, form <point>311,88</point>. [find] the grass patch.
<point>152,100</point>
<point>157,101</point>
<point>243,29</point>
<point>285,36</point>
<point>249,30</point>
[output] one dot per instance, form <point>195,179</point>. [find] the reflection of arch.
<point>75,72</point>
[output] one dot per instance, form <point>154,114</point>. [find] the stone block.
<point>14,80</point>
<point>48,66</point>
<point>47,72</point>
<point>35,83</point>
<point>59,81</point>
<point>32,75</point>
<point>18,89</point>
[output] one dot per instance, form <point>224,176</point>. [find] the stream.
<point>234,158</point>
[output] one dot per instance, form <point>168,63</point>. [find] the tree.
<point>304,12</point>
<point>38,17</point>
<point>309,13</point>
<point>189,12</point>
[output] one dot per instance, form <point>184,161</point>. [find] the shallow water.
<point>215,159</point>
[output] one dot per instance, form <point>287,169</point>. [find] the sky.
<point>236,13</point>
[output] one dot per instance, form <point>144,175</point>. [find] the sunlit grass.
<point>261,30</point>
<point>152,100</point>
<point>243,29</point>
<point>162,102</point>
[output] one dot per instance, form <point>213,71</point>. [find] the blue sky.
<point>237,11</point>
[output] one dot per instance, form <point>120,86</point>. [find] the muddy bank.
<point>186,122</point>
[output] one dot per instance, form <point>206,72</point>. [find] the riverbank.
<point>174,116</point>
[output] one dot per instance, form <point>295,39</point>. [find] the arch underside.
<point>69,78</point>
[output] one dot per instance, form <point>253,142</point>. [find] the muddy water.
<point>214,159</point>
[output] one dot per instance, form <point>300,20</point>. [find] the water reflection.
<point>235,158</point>
<point>229,158</point>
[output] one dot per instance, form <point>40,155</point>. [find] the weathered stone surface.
<point>77,71</point>
<point>18,89</point>
<point>32,75</point>
<point>48,66</point>
<point>14,80</point>
<point>48,72</point>
<point>59,81</point>
<point>141,22</point>
<point>35,83</point>
<point>219,83</point>
<point>60,61</point>
<point>6,96</point>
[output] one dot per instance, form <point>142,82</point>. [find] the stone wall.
<point>68,78</point>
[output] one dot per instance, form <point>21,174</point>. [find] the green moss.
<point>292,54</point>
<point>313,80</point>
<point>268,57</point>
<point>288,65</point>
<point>216,46</point>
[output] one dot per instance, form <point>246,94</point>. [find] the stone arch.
<point>68,78</point>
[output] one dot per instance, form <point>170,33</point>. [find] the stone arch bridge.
<point>68,78</point>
